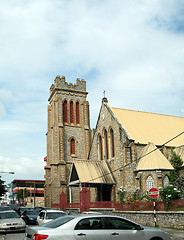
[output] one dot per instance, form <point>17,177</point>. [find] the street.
<point>174,234</point>
<point>12,236</point>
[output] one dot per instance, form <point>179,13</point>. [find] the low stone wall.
<point>167,219</point>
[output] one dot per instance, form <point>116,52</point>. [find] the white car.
<point>48,215</point>
<point>10,221</point>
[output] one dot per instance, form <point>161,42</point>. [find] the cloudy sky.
<point>132,49</point>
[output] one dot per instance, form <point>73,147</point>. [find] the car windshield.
<point>4,208</point>
<point>31,212</point>
<point>58,222</point>
<point>6,215</point>
<point>54,215</point>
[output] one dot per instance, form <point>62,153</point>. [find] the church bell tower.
<point>68,134</point>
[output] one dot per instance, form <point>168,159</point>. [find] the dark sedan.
<point>30,216</point>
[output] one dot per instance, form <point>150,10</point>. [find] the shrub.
<point>121,192</point>
<point>170,193</point>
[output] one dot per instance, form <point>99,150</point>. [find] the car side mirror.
<point>139,227</point>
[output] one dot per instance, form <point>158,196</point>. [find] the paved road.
<point>13,236</point>
<point>174,234</point>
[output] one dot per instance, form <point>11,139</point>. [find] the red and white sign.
<point>153,193</point>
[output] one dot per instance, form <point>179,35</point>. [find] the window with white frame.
<point>166,181</point>
<point>149,183</point>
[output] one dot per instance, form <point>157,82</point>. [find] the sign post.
<point>153,193</point>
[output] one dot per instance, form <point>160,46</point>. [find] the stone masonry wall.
<point>167,219</point>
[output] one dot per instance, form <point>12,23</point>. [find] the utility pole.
<point>34,193</point>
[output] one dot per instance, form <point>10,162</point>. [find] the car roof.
<point>53,210</point>
<point>9,211</point>
<point>91,213</point>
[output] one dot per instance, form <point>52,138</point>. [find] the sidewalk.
<point>1,237</point>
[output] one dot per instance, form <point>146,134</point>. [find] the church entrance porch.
<point>85,202</point>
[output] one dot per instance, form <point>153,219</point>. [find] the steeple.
<point>104,99</point>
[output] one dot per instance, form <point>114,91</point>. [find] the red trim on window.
<point>71,113</point>
<point>65,112</point>
<point>72,146</point>
<point>77,113</point>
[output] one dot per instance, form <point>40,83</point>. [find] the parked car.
<point>22,209</point>
<point>89,227</point>
<point>10,221</point>
<point>38,208</point>
<point>5,208</point>
<point>13,207</point>
<point>91,212</point>
<point>48,215</point>
<point>30,216</point>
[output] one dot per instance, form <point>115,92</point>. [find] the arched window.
<point>71,113</point>
<point>100,150</point>
<point>106,153</point>
<point>112,142</point>
<point>65,112</point>
<point>77,113</point>
<point>166,181</point>
<point>72,146</point>
<point>149,183</point>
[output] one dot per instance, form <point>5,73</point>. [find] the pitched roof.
<point>86,171</point>
<point>144,127</point>
<point>152,159</point>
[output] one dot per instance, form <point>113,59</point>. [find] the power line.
<point>120,168</point>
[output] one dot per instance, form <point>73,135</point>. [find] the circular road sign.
<point>153,193</point>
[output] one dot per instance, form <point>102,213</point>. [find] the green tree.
<point>2,187</point>
<point>177,163</point>
<point>22,194</point>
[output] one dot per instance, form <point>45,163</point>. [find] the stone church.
<point>128,149</point>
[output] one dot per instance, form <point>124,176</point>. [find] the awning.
<point>11,194</point>
<point>90,172</point>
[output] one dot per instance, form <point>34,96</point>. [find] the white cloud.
<point>23,168</point>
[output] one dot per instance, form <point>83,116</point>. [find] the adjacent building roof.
<point>85,171</point>
<point>144,127</point>
<point>151,158</point>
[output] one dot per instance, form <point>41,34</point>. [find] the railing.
<point>73,205</point>
<point>105,204</point>
<point>85,204</point>
<point>176,205</point>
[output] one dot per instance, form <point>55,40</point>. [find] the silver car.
<point>11,221</point>
<point>93,227</point>
<point>48,215</point>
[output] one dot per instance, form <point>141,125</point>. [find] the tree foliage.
<point>2,187</point>
<point>170,193</point>
<point>22,194</point>
<point>177,163</point>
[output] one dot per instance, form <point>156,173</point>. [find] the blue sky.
<point>134,50</point>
